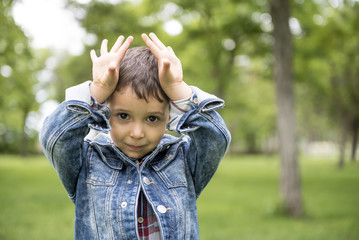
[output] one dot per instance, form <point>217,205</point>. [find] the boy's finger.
<point>93,55</point>
<point>117,44</point>
<point>171,50</point>
<point>166,65</point>
<point>122,50</point>
<point>154,49</point>
<point>112,67</point>
<point>156,41</point>
<point>104,47</point>
<point>166,70</point>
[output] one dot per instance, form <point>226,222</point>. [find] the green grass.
<point>239,203</point>
<point>33,203</point>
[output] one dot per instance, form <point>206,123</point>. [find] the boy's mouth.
<point>134,148</point>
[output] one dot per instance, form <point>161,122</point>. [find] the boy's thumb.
<point>112,66</point>
<point>166,64</point>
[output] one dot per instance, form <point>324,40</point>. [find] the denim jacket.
<point>104,184</point>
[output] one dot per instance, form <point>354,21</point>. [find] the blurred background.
<point>226,48</point>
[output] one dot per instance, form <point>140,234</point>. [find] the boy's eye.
<point>152,119</point>
<point>123,116</point>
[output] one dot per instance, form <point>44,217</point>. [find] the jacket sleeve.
<point>63,132</point>
<point>208,139</point>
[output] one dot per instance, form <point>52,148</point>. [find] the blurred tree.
<point>328,48</point>
<point>283,53</point>
<point>344,64</point>
<point>226,52</point>
<point>311,75</point>
<point>17,79</point>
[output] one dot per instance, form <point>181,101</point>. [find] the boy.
<point>139,183</point>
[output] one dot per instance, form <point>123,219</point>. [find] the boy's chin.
<point>134,155</point>
<point>136,152</point>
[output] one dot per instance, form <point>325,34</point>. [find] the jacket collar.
<point>110,154</point>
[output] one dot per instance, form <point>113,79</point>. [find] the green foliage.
<point>239,202</point>
<point>225,48</point>
<point>326,66</point>
<point>17,79</point>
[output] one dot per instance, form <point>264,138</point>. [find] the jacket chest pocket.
<point>172,170</point>
<point>99,173</point>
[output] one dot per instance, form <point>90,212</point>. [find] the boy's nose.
<point>137,131</point>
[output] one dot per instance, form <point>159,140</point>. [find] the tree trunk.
<point>354,139</point>
<point>24,138</point>
<point>342,148</point>
<point>283,50</point>
<point>251,143</point>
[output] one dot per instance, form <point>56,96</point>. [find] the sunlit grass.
<point>239,203</point>
<point>33,203</point>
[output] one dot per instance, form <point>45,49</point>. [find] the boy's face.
<point>137,126</point>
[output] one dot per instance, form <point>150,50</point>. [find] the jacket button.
<point>129,181</point>
<point>195,100</point>
<point>124,204</point>
<point>161,209</point>
<point>146,181</point>
<point>140,220</point>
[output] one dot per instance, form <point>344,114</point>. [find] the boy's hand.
<point>169,69</point>
<point>105,68</point>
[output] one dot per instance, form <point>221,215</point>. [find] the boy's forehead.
<point>127,97</point>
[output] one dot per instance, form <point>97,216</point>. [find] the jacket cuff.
<point>200,101</point>
<point>204,101</point>
<point>79,92</point>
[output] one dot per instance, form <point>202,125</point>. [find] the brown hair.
<point>139,70</point>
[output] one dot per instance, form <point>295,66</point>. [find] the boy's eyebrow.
<point>157,113</point>
<point>120,110</point>
<point>124,110</point>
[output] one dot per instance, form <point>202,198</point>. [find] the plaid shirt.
<point>148,228</point>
